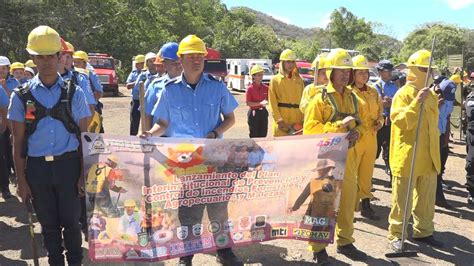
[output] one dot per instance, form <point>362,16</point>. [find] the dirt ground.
<point>454,227</point>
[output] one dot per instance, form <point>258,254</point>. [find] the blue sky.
<point>399,17</point>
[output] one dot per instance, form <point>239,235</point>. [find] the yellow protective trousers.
<point>348,202</point>
<point>422,205</point>
<point>365,150</point>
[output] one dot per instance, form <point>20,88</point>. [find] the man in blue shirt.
<point>7,84</point>
<point>191,106</point>
<point>4,173</point>
<point>446,93</point>
<point>146,77</point>
<point>46,148</point>
<point>386,89</point>
<point>172,64</point>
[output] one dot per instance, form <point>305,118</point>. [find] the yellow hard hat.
<point>139,59</point>
<point>456,78</point>
<point>256,69</point>
<point>185,147</point>
<point>16,65</point>
<point>30,63</point>
<point>192,44</point>
<point>129,203</point>
<point>360,63</point>
<point>420,58</point>
<point>113,159</point>
<point>81,55</point>
<point>43,40</point>
<point>339,58</point>
<point>287,55</point>
<point>70,48</point>
<point>320,61</point>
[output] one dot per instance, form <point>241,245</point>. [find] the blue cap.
<point>169,51</point>
<point>449,88</point>
<point>385,65</point>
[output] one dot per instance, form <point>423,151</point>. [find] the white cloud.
<point>458,4</point>
<point>282,19</point>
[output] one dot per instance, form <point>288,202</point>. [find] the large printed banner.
<point>162,198</point>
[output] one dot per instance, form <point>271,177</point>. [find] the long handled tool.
<point>402,252</point>
<point>34,248</point>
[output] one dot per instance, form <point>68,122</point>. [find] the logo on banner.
<point>315,221</point>
<point>104,237</point>
<point>97,146</point>
<point>198,229</point>
<point>237,237</point>
<point>228,226</point>
<point>143,239</point>
<point>245,222</point>
<point>182,232</point>
<point>260,221</point>
<point>214,227</point>
<point>222,240</point>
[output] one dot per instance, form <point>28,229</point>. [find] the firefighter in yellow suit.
<point>371,116</point>
<point>404,116</point>
<point>320,80</point>
<point>334,110</point>
<point>284,96</point>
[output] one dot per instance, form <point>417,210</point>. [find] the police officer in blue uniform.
<point>168,56</point>
<point>146,77</point>
<point>47,116</point>
<point>4,181</point>
<point>191,106</point>
<point>386,89</point>
<point>7,84</point>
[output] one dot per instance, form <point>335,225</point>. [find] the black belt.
<point>51,158</point>
<point>289,105</point>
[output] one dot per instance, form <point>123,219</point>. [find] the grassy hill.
<point>282,29</point>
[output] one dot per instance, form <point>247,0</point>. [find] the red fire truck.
<point>215,65</point>
<point>104,66</point>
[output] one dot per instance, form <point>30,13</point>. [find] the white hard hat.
<point>4,61</point>
<point>150,55</point>
<point>29,69</point>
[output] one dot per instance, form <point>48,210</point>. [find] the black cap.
<point>437,79</point>
<point>385,65</point>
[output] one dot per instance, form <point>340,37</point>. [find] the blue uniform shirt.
<point>449,89</point>
<point>50,137</point>
<point>3,98</point>
<point>83,85</point>
<point>147,78</point>
<point>95,82</point>
<point>11,83</point>
<point>386,89</point>
<point>194,112</point>
<point>153,92</point>
<point>132,77</point>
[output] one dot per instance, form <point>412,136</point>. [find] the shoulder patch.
<point>173,81</point>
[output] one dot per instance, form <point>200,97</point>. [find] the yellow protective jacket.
<point>370,108</point>
<point>319,112</point>
<point>308,94</point>
<point>404,116</point>
<point>284,97</point>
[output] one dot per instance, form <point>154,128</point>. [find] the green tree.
<point>347,30</point>
<point>449,39</point>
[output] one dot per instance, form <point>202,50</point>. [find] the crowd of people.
<point>47,102</point>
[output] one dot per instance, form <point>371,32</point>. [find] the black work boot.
<point>227,257</point>
<point>321,257</point>
<point>352,252</point>
<point>367,212</point>
<point>186,261</point>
